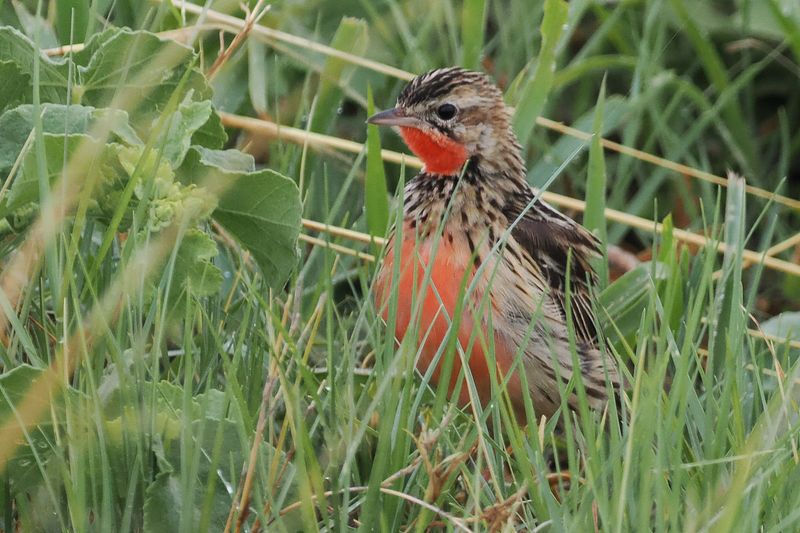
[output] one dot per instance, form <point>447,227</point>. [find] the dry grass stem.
<point>337,248</point>
<point>185,35</point>
<point>250,20</point>
<point>299,136</point>
<point>343,232</point>
<point>665,163</point>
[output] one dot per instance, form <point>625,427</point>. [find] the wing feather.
<point>553,241</point>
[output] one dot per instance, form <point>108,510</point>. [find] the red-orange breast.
<point>477,242</point>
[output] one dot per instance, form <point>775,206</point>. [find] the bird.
<point>480,252</point>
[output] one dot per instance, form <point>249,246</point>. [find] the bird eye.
<point>446,111</point>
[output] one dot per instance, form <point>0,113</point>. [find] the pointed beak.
<point>394,117</point>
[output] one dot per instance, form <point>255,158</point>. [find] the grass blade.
<point>257,75</point>
<point>473,21</point>
<point>376,194</point>
<point>718,75</point>
<point>72,20</point>
<point>533,94</point>
<point>351,36</point>
<point>594,218</point>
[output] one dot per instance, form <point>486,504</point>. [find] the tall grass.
<point>126,405</point>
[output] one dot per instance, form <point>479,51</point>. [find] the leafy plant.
<point>138,183</point>
<point>153,165</point>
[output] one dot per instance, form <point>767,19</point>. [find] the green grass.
<point>167,353</point>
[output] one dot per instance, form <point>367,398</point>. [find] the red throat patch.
<point>440,154</point>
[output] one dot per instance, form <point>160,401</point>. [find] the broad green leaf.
<point>118,58</point>
<point>25,189</point>
<point>213,403</point>
<point>218,440</point>
<point>35,25</point>
<point>211,134</point>
<point>166,396</point>
<point>164,504</point>
<point>376,194</point>
<point>193,273</point>
<point>262,211</point>
<point>181,126</point>
<point>200,160</point>
<point>533,94</point>
<point>14,86</point>
<point>17,48</point>
<point>220,448</point>
<point>17,124</point>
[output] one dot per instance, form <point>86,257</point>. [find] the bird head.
<point>449,116</point>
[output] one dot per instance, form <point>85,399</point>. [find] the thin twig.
<point>784,245</point>
<point>766,336</point>
<point>182,35</point>
<point>343,232</point>
<point>337,248</point>
<point>772,251</point>
<point>266,394</point>
<point>252,17</point>
<point>459,523</point>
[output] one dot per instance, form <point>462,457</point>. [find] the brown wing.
<point>553,240</point>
